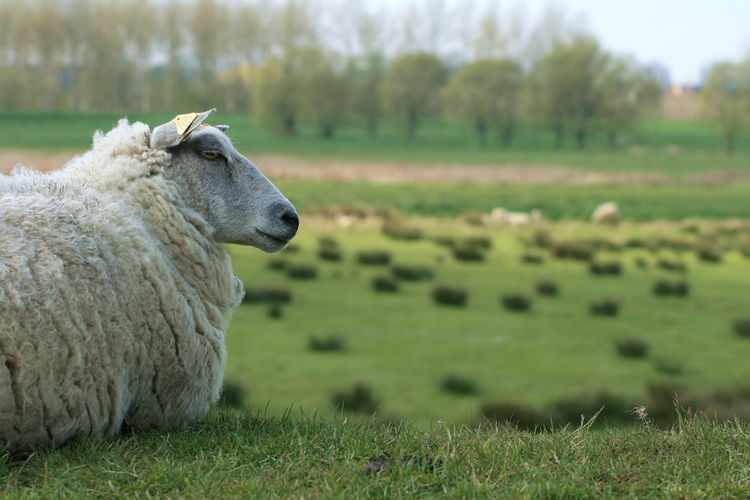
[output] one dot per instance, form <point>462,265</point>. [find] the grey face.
<point>230,192</point>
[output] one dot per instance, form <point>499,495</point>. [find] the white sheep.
<point>115,289</point>
<point>516,218</point>
<point>606,213</point>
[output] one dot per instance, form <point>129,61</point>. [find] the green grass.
<point>238,456</point>
<point>672,148</point>
<point>643,202</point>
<point>402,344</point>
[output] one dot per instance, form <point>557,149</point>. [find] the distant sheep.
<point>606,213</point>
<point>115,289</point>
<point>516,218</point>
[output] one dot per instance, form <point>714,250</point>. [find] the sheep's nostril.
<point>292,219</point>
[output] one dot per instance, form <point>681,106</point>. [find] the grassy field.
<point>402,344</point>
<point>236,456</point>
<point>642,202</point>
<point>290,440</point>
<point>678,150</point>
<point>675,149</point>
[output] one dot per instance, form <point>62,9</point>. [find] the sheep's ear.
<point>223,128</point>
<point>179,129</point>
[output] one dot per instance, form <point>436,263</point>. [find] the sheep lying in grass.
<point>115,290</point>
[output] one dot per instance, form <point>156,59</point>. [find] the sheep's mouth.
<point>272,237</point>
<point>270,242</point>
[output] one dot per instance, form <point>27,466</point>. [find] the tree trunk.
<point>729,142</point>
<point>612,139</point>
<point>481,128</point>
<point>559,137</point>
<point>327,130</point>
<point>288,126</point>
<point>412,122</point>
<point>372,127</point>
<point>507,135</point>
<point>580,135</point>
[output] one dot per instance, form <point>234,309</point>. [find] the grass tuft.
<point>358,399</point>
<point>456,384</point>
<point>332,343</point>
<point>741,327</point>
<point>547,288</point>
<point>450,295</point>
<point>632,348</point>
<point>605,307</point>
<point>516,302</point>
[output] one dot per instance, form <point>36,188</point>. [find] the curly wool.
<point>114,298</point>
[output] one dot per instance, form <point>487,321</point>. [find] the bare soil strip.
<point>287,168</point>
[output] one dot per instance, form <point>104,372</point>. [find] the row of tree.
<point>573,88</point>
<point>291,61</point>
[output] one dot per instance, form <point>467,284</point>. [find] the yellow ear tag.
<point>182,122</point>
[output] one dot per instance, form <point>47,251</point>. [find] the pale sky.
<point>684,35</point>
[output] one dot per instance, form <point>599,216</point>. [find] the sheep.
<point>606,213</point>
<point>516,218</point>
<point>115,288</point>
<point>344,221</point>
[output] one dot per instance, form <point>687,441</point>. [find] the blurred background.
<point>515,211</point>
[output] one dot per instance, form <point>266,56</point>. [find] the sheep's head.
<point>223,186</point>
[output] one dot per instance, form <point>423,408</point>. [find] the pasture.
<point>558,201</point>
<point>663,169</point>
<point>343,390</point>
<point>673,149</point>
<point>402,344</point>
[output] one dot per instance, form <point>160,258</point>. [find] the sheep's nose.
<point>288,219</point>
<point>291,218</point>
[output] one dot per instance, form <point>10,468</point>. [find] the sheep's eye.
<point>210,154</point>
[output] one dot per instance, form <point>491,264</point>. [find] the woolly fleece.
<point>114,298</point>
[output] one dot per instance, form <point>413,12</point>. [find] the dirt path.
<point>289,168</point>
<point>278,167</point>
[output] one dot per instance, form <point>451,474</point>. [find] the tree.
<point>18,83</point>
<point>293,25</point>
<point>563,93</point>
<point>498,33</point>
<point>247,45</point>
<point>367,67</point>
<point>725,99</point>
<point>208,46</point>
<point>625,90</point>
<point>105,71</point>
<point>277,99</point>
<point>170,24</point>
<point>140,24</point>
<point>366,78</point>
<point>283,78</point>
<point>324,91</point>
<point>49,43</point>
<point>487,93</point>
<point>304,82</point>
<point>411,88</point>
